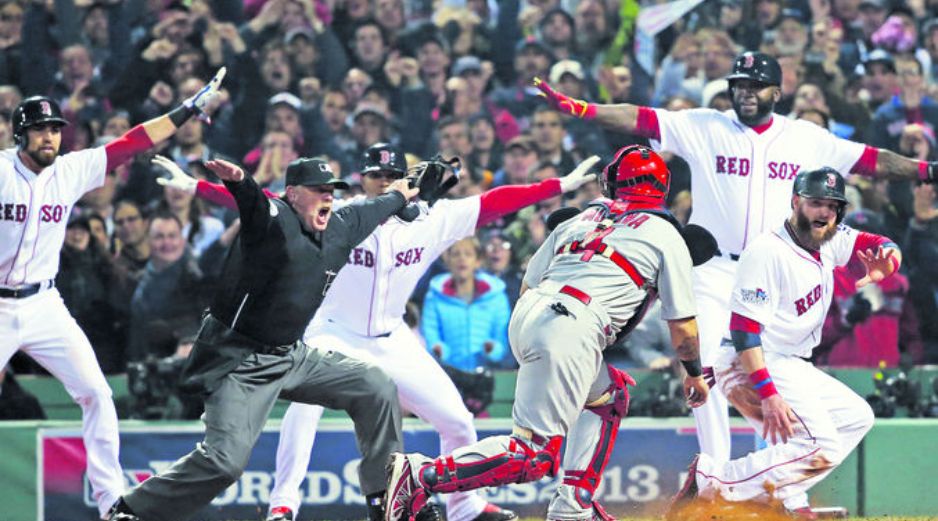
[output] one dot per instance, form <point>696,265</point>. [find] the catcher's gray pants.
<point>236,412</point>
<point>558,342</point>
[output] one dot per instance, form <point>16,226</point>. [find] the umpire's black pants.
<point>236,412</point>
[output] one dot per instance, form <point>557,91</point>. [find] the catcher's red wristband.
<point>923,171</point>
<point>762,383</point>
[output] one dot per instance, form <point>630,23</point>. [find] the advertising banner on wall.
<point>645,469</point>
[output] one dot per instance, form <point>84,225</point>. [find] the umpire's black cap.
<point>312,172</point>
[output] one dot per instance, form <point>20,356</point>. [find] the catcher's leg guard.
<point>499,460</point>
<point>589,446</point>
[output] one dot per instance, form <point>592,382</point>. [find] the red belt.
<point>577,294</point>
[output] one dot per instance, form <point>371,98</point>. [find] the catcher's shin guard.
<point>520,462</point>
<point>611,407</point>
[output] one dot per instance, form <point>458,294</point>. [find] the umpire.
<point>249,353</point>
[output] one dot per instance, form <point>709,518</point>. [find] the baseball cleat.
<point>280,514</point>
<point>406,497</point>
<point>687,493</point>
<point>495,513</point>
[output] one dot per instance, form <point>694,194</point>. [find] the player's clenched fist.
<point>563,103</point>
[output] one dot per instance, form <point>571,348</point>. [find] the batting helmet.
<point>823,183</point>
<point>756,66</point>
<point>382,157</point>
<point>32,111</point>
<point>637,174</point>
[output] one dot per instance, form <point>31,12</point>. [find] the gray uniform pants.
<point>236,412</point>
<point>560,352</point>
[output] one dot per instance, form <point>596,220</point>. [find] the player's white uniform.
<point>362,316</point>
<point>742,184</point>
<point>788,291</point>
<point>34,211</point>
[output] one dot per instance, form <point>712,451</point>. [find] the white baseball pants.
<point>713,286</point>
<point>41,326</point>
<point>423,388</point>
<point>832,420</point>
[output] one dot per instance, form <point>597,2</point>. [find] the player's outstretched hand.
<point>403,186</point>
<point>563,103</point>
<point>206,94</point>
<point>579,176</point>
<point>879,264</point>
<point>776,420</point>
<point>696,390</point>
<point>177,178</point>
<point>226,171</point>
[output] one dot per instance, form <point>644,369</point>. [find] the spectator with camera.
<point>154,387</point>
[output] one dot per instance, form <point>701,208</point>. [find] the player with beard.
<point>782,293</point>
<point>743,162</point>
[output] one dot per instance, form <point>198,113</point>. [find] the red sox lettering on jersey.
<point>13,212</point>
<point>386,266</point>
<point>34,209</point>
<point>742,178</point>
<point>787,290</point>
<point>813,297</point>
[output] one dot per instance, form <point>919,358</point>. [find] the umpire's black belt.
<point>27,290</point>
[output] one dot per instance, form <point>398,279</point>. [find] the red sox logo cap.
<point>831,180</point>
<point>749,61</point>
<point>45,108</point>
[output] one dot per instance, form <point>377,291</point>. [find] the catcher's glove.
<point>429,177</point>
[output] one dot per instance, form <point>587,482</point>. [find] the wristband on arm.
<point>762,382</point>
<point>181,114</point>
<point>692,367</point>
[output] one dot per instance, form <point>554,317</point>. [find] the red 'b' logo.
<point>45,108</point>
<point>831,180</point>
<point>385,157</point>
<point>749,61</point>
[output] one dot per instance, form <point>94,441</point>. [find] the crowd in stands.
<point>453,77</point>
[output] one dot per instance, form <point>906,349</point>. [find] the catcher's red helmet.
<point>637,174</point>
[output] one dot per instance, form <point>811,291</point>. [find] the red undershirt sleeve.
<point>218,194</point>
<point>133,142</point>
<point>511,198</point>
<point>646,125</point>
<point>866,165</point>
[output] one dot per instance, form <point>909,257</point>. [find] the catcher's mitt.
<point>429,177</point>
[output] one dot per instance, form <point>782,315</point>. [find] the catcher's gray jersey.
<point>582,254</point>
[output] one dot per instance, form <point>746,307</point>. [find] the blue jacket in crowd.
<point>462,328</point>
